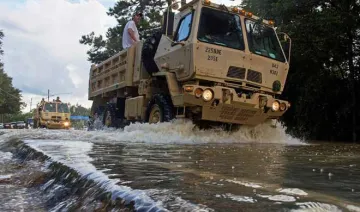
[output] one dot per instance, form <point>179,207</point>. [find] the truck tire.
<point>159,109</point>
<point>109,117</point>
<point>148,52</point>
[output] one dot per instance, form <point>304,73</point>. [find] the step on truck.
<point>209,63</point>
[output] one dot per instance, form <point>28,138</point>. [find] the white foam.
<point>246,184</point>
<point>4,156</point>
<point>315,207</point>
<point>4,177</point>
<point>292,191</point>
<point>353,208</point>
<point>240,198</point>
<point>178,131</point>
<point>279,198</point>
<point>169,199</point>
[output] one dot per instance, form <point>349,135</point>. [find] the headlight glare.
<point>275,106</point>
<point>207,95</point>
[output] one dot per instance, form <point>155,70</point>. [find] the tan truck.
<point>52,115</point>
<point>210,63</point>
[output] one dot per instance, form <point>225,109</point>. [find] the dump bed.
<point>112,74</point>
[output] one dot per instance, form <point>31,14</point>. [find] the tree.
<point>78,110</point>
<point>18,117</point>
<point>324,75</point>
<point>10,97</point>
<point>102,48</point>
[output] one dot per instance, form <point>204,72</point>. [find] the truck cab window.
<point>263,41</point>
<point>63,108</point>
<point>220,28</point>
<point>184,28</point>
<point>50,107</point>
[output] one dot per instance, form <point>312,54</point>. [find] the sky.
<point>42,49</point>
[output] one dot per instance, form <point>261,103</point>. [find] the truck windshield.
<point>220,28</point>
<point>263,41</point>
<point>50,107</point>
<point>63,108</point>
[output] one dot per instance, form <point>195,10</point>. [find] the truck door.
<point>177,54</point>
<point>267,60</point>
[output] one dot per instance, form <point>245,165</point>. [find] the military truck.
<point>209,63</point>
<point>51,115</point>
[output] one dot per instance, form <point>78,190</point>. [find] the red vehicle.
<point>7,126</point>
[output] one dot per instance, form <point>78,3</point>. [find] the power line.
<point>9,94</point>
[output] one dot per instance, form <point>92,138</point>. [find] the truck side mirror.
<point>285,41</point>
<point>168,23</point>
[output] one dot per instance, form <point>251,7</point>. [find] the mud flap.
<point>273,123</point>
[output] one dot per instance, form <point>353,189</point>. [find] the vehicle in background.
<point>20,125</point>
<point>52,115</point>
<point>13,125</point>
<point>1,126</point>
<point>7,126</point>
<point>30,123</point>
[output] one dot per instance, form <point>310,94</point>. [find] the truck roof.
<point>232,9</point>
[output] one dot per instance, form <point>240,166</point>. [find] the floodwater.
<point>173,167</point>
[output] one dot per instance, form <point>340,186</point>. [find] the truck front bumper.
<point>228,106</point>
<point>57,124</point>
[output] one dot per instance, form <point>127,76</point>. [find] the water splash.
<point>315,207</point>
<point>292,191</point>
<point>176,132</point>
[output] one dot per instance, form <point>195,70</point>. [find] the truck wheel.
<point>148,52</point>
<point>109,118</point>
<point>159,109</point>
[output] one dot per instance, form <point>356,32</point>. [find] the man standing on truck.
<point>131,34</point>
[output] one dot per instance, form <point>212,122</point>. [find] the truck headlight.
<point>66,124</point>
<point>282,106</point>
<point>275,106</point>
<point>207,95</point>
<point>198,92</point>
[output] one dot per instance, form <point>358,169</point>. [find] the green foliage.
<point>1,51</point>
<point>323,81</point>
<point>17,117</point>
<point>10,97</point>
<point>123,11</point>
<point>78,110</point>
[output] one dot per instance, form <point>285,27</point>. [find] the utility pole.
<point>30,104</point>
<point>48,95</point>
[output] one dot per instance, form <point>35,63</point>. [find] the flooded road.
<point>171,167</point>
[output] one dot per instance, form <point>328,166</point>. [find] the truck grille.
<point>254,76</point>
<point>56,117</point>
<point>244,115</point>
<point>236,114</point>
<point>236,72</point>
